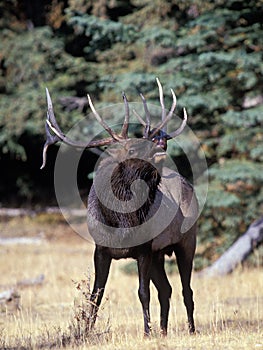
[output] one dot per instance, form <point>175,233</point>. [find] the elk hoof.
<point>163,333</point>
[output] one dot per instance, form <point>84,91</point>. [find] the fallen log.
<point>238,252</point>
<point>19,212</point>
<point>14,212</point>
<point>21,240</point>
<point>38,280</point>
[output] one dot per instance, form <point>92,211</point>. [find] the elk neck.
<point>124,175</point>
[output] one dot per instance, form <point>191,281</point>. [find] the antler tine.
<point>181,128</point>
<point>139,118</point>
<point>102,122</point>
<point>168,117</point>
<point>161,98</point>
<point>51,140</point>
<point>170,114</point>
<point>50,112</point>
<point>125,126</point>
<point>44,156</point>
<point>148,117</point>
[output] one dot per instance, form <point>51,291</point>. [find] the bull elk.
<point>155,208</point>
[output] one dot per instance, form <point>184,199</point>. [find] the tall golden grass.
<point>228,310</point>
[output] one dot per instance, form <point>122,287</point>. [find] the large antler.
<point>54,133</point>
<point>165,117</point>
<point>58,135</point>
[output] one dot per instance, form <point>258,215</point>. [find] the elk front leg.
<point>144,266</point>
<point>102,262</point>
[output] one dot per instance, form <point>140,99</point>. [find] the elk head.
<point>157,135</point>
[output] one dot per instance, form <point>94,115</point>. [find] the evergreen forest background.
<point>209,52</point>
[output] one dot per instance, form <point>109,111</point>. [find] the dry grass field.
<point>228,314</point>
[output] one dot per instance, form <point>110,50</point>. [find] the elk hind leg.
<point>160,280</point>
<point>184,257</point>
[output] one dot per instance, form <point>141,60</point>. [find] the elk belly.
<point>171,235</point>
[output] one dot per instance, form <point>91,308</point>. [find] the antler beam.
<point>58,135</point>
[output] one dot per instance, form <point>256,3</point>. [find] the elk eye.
<point>131,151</point>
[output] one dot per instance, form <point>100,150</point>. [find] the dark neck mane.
<point>123,176</point>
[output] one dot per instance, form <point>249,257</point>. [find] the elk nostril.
<point>162,144</point>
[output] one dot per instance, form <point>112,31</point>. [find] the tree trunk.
<point>238,252</point>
